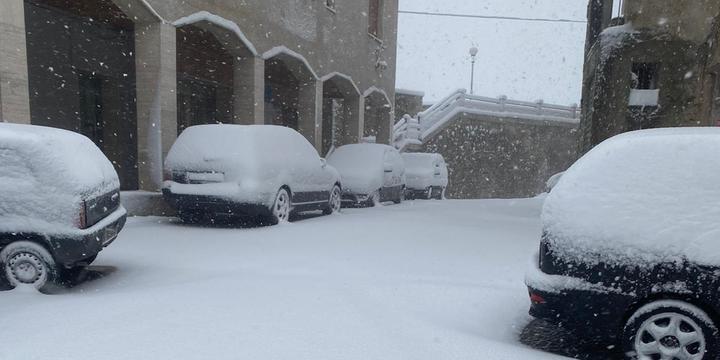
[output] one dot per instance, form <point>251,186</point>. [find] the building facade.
<point>132,74</point>
<point>648,64</point>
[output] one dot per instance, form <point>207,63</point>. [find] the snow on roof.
<point>341,75</point>
<point>410,92</point>
<point>643,197</point>
<point>284,50</point>
<point>219,21</point>
<point>376,89</point>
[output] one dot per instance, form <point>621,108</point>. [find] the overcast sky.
<point>523,60</point>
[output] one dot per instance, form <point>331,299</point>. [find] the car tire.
<point>441,193</point>
<point>282,207</point>
<point>401,196</point>
<point>666,326</point>
<point>373,199</point>
<point>335,201</point>
<point>26,263</point>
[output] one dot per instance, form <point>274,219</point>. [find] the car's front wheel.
<point>670,329</point>
<point>281,207</point>
<point>335,201</point>
<point>25,263</point>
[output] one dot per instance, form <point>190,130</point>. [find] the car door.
<point>312,175</point>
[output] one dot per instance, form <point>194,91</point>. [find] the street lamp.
<point>473,54</point>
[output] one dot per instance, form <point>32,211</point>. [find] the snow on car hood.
<point>640,198</point>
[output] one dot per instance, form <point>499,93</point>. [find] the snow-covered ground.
<point>422,280</point>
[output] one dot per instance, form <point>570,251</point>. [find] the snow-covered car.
<point>59,203</point>
<point>251,171</point>
<point>630,252</point>
<point>552,181</point>
<point>371,173</point>
<point>426,175</point>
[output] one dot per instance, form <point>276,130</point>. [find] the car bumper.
<point>212,205</point>
<point>592,312</point>
<point>87,243</point>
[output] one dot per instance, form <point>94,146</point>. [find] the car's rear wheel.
<point>670,329</point>
<point>25,263</point>
<point>373,199</point>
<point>335,202</point>
<point>401,196</point>
<point>281,207</point>
<point>441,193</point>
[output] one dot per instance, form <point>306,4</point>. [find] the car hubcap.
<point>282,206</point>
<point>335,200</point>
<point>670,336</point>
<point>26,268</point>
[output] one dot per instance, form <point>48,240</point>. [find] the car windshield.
<point>360,179</point>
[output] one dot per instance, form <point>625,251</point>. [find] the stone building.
<point>132,74</point>
<point>494,147</point>
<point>648,64</point>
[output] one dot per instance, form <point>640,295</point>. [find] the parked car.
<point>258,171</point>
<point>426,175</point>
<point>630,251</point>
<point>59,204</point>
<point>371,173</point>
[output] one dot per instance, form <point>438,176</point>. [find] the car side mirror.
<point>388,168</point>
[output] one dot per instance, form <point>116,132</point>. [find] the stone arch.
<point>292,91</point>
<point>216,67</point>
<point>378,115</point>
<point>342,111</point>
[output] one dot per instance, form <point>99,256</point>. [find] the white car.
<point>59,204</point>
<point>250,171</point>
<point>426,174</point>
<point>371,173</point>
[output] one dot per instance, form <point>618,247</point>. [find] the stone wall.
<point>491,157</point>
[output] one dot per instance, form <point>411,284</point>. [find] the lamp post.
<point>473,55</point>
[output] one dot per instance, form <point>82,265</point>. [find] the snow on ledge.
<point>373,89</point>
<point>284,50</point>
<point>219,21</point>
<point>410,92</point>
<point>341,75</point>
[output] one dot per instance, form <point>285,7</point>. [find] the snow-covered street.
<point>421,280</point>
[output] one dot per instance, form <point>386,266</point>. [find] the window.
<point>375,18</point>
<point>644,76</point>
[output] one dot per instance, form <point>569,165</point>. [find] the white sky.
<point>523,60</point>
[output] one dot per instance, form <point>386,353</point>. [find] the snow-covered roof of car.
<point>72,160</point>
<point>420,159</point>
<point>355,154</point>
<point>239,151</point>
<point>643,197</point>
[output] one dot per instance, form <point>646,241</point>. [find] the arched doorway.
<point>81,75</point>
<point>378,116</point>
<point>215,73</point>
<point>341,112</point>
<point>291,92</point>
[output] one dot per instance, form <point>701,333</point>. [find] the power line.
<point>493,17</point>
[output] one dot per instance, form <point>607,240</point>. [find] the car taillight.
<point>536,298</point>
<point>167,175</point>
<point>81,220</point>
